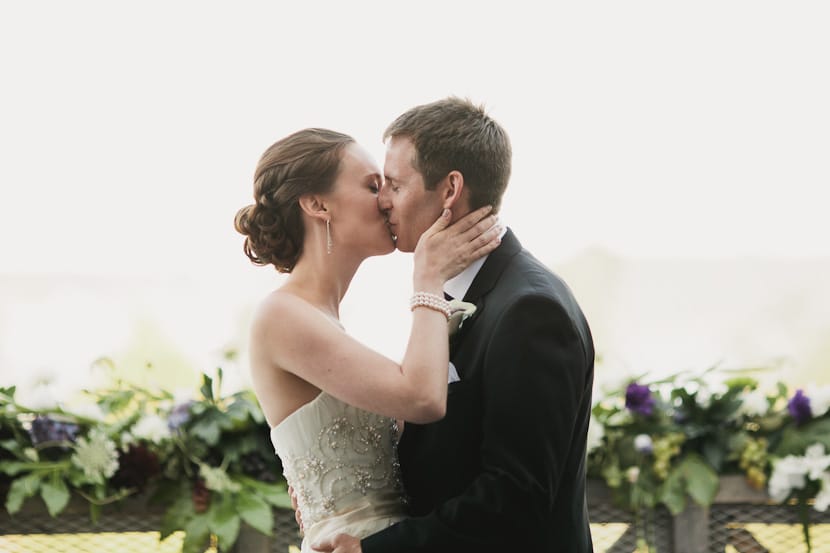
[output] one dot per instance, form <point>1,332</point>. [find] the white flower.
<point>619,418</point>
<point>788,474</point>
<point>632,474</point>
<point>217,479</point>
<point>88,410</point>
<point>753,404</point>
<point>96,455</point>
<point>643,443</point>
<point>460,312</point>
<point>595,434</point>
<point>816,461</point>
<point>707,392</point>
<point>819,399</point>
<point>151,428</point>
<point>40,398</point>
<point>823,497</point>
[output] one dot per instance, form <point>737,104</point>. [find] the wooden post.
<point>251,541</point>
<point>691,530</point>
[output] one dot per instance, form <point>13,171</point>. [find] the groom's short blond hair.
<point>456,135</point>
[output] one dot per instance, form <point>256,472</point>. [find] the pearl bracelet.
<point>430,301</point>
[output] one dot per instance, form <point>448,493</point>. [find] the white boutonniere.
<point>460,311</point>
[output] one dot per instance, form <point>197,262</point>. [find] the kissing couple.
<point>476,440</point>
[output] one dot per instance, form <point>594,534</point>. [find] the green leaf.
<point>10,445</point>
<point>255,512</point>
<point>207,387</point>
<point>20,490</point>
<point>275,494</point>
<point>208,428</point>
<point>14,467</point>
<point>196,535</point>
<point>223,521</point>
<point>673,493</point>
<point>715,453</point>
<point>701,480</point>
<point>241,413</point>
<point>179,513</point>
<point>54,493</point>
<point>795,440</point>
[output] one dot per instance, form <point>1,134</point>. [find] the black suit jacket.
<point>505,469</point>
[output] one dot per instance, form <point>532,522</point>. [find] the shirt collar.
<point>458,285</point>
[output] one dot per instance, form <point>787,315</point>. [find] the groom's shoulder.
<point>527,275</point>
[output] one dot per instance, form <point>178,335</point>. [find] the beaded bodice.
<point>339,458</point>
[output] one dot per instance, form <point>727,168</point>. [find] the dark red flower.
<point>136,467</point>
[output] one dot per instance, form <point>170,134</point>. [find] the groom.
<point>505,469</point>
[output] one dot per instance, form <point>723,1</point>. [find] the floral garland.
<point>205,459</point>
<point>661,442</point>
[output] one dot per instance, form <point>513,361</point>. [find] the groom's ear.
<point>314,206</point>
<point>452,189</point>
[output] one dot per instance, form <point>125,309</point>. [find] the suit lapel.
<point>485,280</point>
<point>493,267</point>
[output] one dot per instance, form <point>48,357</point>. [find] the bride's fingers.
<point>440,223</point>
<point>471,219</point>
<point>480,228</point>
<point>486,242</point>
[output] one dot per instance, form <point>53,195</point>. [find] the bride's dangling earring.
<point>328,236</point>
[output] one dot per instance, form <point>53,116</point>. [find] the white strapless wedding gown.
<point>342,462</point>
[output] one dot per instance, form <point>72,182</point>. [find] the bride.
<point>331,402</point>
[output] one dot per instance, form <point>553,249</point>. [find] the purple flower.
<point>639,399</point>
<point>799,407</point>
<point>45,429</point>
<point>179,415</point>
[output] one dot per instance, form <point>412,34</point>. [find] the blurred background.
<point>669,162</point>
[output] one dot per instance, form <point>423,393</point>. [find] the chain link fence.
<point>740,521</point>
<point>133,528</point>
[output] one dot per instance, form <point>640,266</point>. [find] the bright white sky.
<point>129,131</point>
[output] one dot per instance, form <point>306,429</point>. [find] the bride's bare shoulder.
<point>282,310</point>
<point>276,304</point>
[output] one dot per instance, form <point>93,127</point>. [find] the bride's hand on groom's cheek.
<point>446,249</point>
<point>341,543</point>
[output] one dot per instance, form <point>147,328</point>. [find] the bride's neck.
<point>322,279</point>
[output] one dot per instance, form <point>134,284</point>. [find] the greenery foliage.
<point>665,442</point>
<point>206,459</point>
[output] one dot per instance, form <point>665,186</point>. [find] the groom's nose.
<point>384,203</point>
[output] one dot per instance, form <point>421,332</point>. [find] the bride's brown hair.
<point>305,162</point>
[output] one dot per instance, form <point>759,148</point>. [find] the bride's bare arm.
<point>302,341</point>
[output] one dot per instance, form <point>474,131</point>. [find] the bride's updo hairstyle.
<point>305,162</point>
